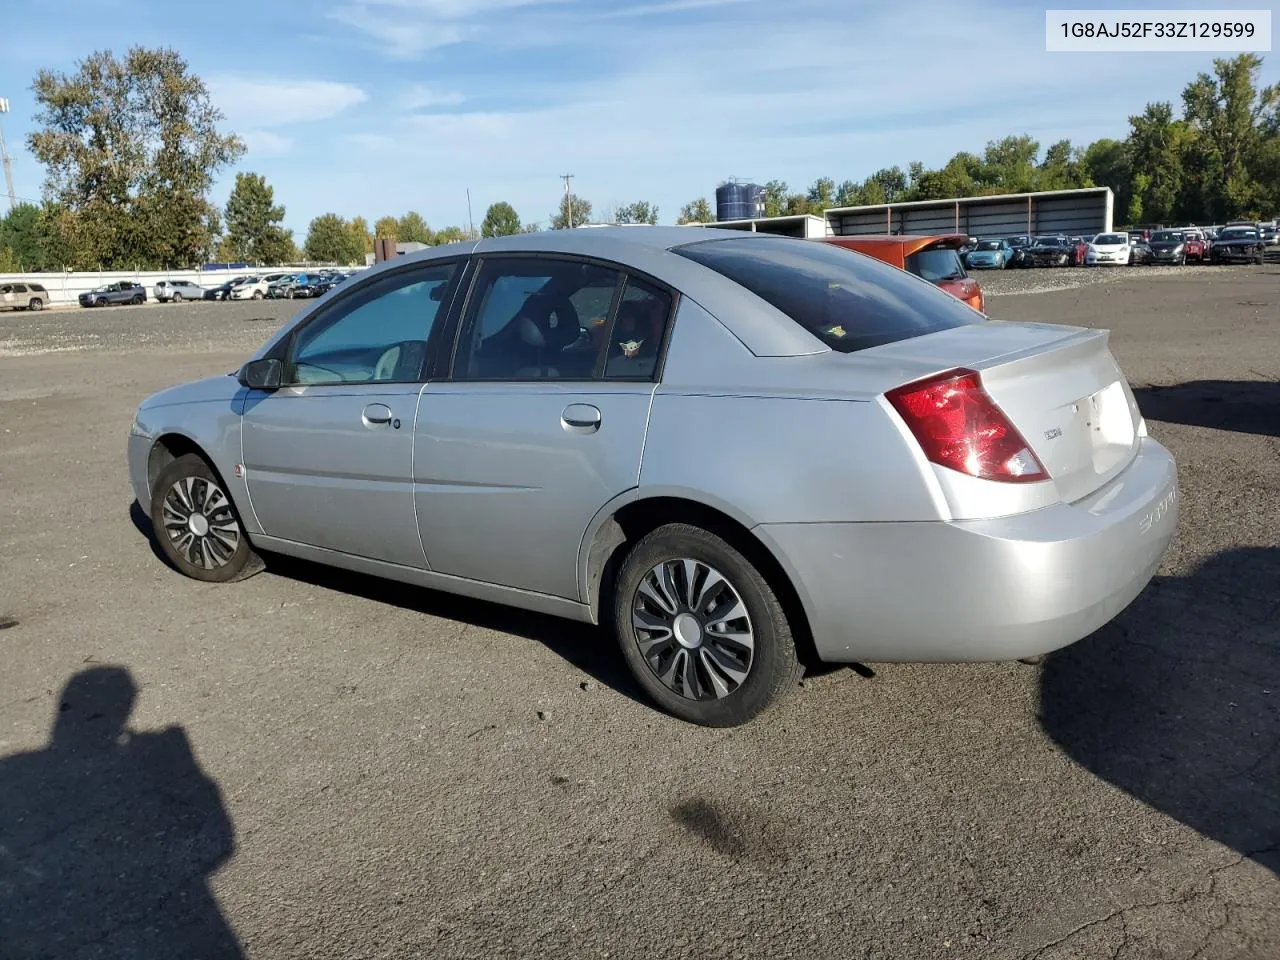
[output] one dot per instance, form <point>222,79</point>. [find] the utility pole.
<point>471,226</point>
<point>4,158</point>
<point>568,196</point>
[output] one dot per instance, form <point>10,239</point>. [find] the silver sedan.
<point>737,451</point>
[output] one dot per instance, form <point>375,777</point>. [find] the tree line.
<point>1218,160</point>
<point>132,146</point>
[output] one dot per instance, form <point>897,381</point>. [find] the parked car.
<point>1000,471</point>
<point>1168,246</point>
<point>310,285</point>
<point>989,255</point>
<point>1018,250</point>
<point>282,288</point>
<point>1048,252</point>
<point>177,291</point>
<point>123,291</point>
<point>23,296</point>
<point>1109,248</point>
<point>935,258</point>
<point>255,287</point>
<point>1270,237</point>
<point>1197,244</point>
<point>223,290</point>
<point>1238,244</point>
<point>1140,253</point>
<point>1079,250</point>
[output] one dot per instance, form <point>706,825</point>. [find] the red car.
<point>1079,250</point>
<point>1197,248</point>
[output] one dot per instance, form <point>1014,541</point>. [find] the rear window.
<point>940,263</point>
<point>847,300</point>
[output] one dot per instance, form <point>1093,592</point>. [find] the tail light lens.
<point>959,426</point>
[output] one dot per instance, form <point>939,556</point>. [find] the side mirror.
<point>262,374</point>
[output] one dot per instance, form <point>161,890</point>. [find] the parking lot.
<point>324,765</point>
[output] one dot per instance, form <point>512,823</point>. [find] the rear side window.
<point>19,288</point>
<point>940,263</point>
<point>37,288</point>
<point>847,300</point>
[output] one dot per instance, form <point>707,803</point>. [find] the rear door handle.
<point>377,413</point>
<point>582,415</point>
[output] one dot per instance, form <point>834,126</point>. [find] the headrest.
<point>531,333</point>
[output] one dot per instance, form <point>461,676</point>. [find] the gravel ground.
<point>321,765</point>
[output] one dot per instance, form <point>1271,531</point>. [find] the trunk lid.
<point>1060,386</point>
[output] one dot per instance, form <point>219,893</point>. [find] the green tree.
<point>849,194</point>
<point>1107,163</point>
<point>696,211</point>
<point>500,220</point>
<point>820,196</point>
<point>411,228</point>
<point>331,240</point>
<point>23,234</point>
<point>892,183</point>
<point>8,262</point>
<point>361,236</point>
<point>1156,144</point>
<point>573,212</point>
<point>776,193</point>
<point>639,212</point>
<point>130,148</point>
<point>453,235</point>
<point>387,227</point>
<point>1010,163</point>
<point>254,223</point>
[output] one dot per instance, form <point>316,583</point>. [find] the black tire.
<point>257,294</point>
<point>241,562</point>
<point>177,298</point>
<point>773,669</point>
<point>35,304</point>
<point>137,301</point>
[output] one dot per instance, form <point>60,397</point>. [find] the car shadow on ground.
<point>108,836</point>
<point>590,649</point>
<point>1177,701</point>
<point>1242,406</point>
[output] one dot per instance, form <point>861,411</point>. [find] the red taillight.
<point>959,426</point>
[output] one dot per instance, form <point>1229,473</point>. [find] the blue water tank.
<point>755,199</point>
<point>732,202</point>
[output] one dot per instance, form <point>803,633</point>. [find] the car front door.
<point>328,456</point>
<point>542,420</point>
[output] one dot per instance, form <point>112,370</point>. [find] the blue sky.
<point>373,107</point>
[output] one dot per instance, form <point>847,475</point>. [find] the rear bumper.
<point>982,590</point>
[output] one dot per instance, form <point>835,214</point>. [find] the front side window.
<point>378,334</point>
<point>847,300</point>
<point>535,318</point>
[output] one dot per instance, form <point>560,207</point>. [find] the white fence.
<point>67,287</point>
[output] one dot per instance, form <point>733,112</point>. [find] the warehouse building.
<point>796,225</point>
<point>1081,212</point>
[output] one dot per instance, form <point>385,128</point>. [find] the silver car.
<point>738,451</point>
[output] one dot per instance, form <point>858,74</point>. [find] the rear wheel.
<point>701,629</point>
<point>197,525</point>
<point>137,301</point>
<point>35,304</point>
<point>257,294</point>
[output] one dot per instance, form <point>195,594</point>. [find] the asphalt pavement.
<point>314,764</point>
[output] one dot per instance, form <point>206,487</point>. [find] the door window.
<point>636,338</point>
<point>536,319</point>
<point>378,334</point>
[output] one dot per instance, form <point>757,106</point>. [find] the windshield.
<point>1238,233</point>
<point>989,245</point>
<point>1110,239</point>
<point>847,300</point>
<point>1046,241</point>
<point>1166,236</point>
<point>937,264</point>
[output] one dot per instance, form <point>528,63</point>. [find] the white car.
<point>1108,248</point>
<point>255,288</point>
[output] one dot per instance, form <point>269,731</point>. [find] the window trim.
<point>448,359</point>
<point>284,348</point>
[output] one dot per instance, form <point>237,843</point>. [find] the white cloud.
<point>264,143</point>
<point>370,142</point>
<point>407,29</point>
<point>420,96</point>
<point>275,101</point>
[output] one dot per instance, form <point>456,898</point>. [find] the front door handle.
<point>377,414</point>
<point>581,415</point>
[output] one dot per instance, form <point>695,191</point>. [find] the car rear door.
<point>539,421</point>
<point>328,456</point>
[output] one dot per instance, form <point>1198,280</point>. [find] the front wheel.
<point>701,629</point>
<point>197,525</point>
<point>177,298</point>
<point>257,294</point>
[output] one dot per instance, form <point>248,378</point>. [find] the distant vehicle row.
<point>271,286</point>
<point>1234,243</point>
